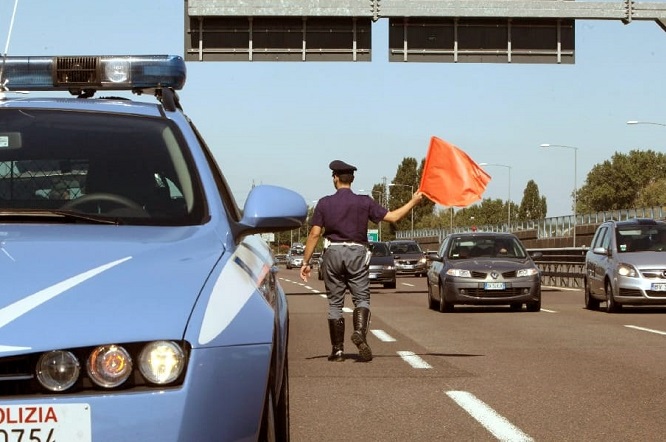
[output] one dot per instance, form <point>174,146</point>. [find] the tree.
<point>532,206</point>
<point>627,180</point>
<point>653,195</point>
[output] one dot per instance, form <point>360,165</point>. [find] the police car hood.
<point>100,284</point>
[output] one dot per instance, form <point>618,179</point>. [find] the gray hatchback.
<point>626,264</point>
<point>483,268</point>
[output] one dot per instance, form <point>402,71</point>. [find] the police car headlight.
<point>57,370</point>
<point>161,362</point>
<point>109,366</point>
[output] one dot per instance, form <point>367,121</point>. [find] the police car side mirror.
<point>272,209</point>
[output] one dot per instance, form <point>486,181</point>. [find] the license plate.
<point>659,287</point>
<point>45,423</point>
<point>494,286</point>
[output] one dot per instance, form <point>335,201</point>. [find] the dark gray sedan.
<point>382,266</point>
<point>483,268</point>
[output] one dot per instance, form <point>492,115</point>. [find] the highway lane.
<point>479,373</point>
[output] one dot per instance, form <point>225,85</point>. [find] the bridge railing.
<point>561,226</point>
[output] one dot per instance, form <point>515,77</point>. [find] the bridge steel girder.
<point>625,10</point>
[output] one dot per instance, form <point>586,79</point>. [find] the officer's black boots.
<point>361,324</point>
<point>336,328</point>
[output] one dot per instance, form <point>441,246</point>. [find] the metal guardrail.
<point>562,267</point>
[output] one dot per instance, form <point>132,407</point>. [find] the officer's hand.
<point>305,272</point>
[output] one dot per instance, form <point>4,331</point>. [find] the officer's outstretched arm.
<point>396,215</point>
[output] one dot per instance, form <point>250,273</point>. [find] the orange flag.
<point>450,177</point>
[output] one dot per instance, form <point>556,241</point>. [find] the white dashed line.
<point>382,336</point>
<point>407,284</point>
<point>548,311</point>
<point>501,428</point>
<point>635,327</point>
<point>413,360</point>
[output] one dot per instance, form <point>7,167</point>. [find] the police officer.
<point>343,220</point>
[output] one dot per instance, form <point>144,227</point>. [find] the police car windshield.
<point>129,168</point>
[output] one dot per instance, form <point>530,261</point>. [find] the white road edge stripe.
<point>413,360</point>
<point>382,336</point>
<point>646,329</point>
<point>501,428</point>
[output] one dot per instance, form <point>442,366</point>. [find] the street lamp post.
<point>412,190</point>
<point>645,122</point>
<point>509,200</point>
<point>575,192</point>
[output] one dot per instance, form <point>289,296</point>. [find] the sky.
<point>281,123</point>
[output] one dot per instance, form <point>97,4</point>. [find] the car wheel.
<point>516,306</point>
<point>282,409</point>
<point>444,306</point>
<point>432,303</point>
<point>389,285</point>
<point>275,417</point>
<point>611,305</point>
<point>590,302</point>
<point>534,306</point>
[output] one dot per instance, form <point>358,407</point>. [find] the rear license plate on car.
<point>45,423</point>
<point>494,286</point>
<point>659,287</point>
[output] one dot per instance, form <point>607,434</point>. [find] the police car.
<point>138,301</point>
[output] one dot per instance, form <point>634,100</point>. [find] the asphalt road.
<point>479,373</point>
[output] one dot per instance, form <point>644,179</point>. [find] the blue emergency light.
<point>90,73</point>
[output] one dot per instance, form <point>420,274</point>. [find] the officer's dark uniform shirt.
<point>344,216</point>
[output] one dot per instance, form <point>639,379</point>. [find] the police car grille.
<point>16,376</point>
<point>77,70</point>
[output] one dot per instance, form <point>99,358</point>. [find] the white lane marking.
<point>635,327</point>
<point>407,284</point>
<point>382,336</point>
<point>323,295</point>
<point>554,287</point>
<point>412,359</point>
<point>548,311</point>
<point>501,428</point>
<point>23,306</point>
<point>347,310</point>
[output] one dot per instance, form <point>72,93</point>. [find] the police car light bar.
<point>76,73</point>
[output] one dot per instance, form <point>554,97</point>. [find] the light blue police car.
<point>138,301</point>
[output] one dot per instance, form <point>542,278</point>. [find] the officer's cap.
<point>340,167</point>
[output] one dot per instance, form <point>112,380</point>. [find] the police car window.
<point>129,168</point>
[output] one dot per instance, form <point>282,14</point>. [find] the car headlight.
<point>109,366</point>
<point>527,272</point>
<point>459,272</point>
<point>161,362</point>
<point>627,270</point>
<point>58,370</point>
<point>422,260</point>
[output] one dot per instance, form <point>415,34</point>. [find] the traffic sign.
<point>373,235</point>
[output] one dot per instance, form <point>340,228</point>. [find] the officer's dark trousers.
<point>345,268</point>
